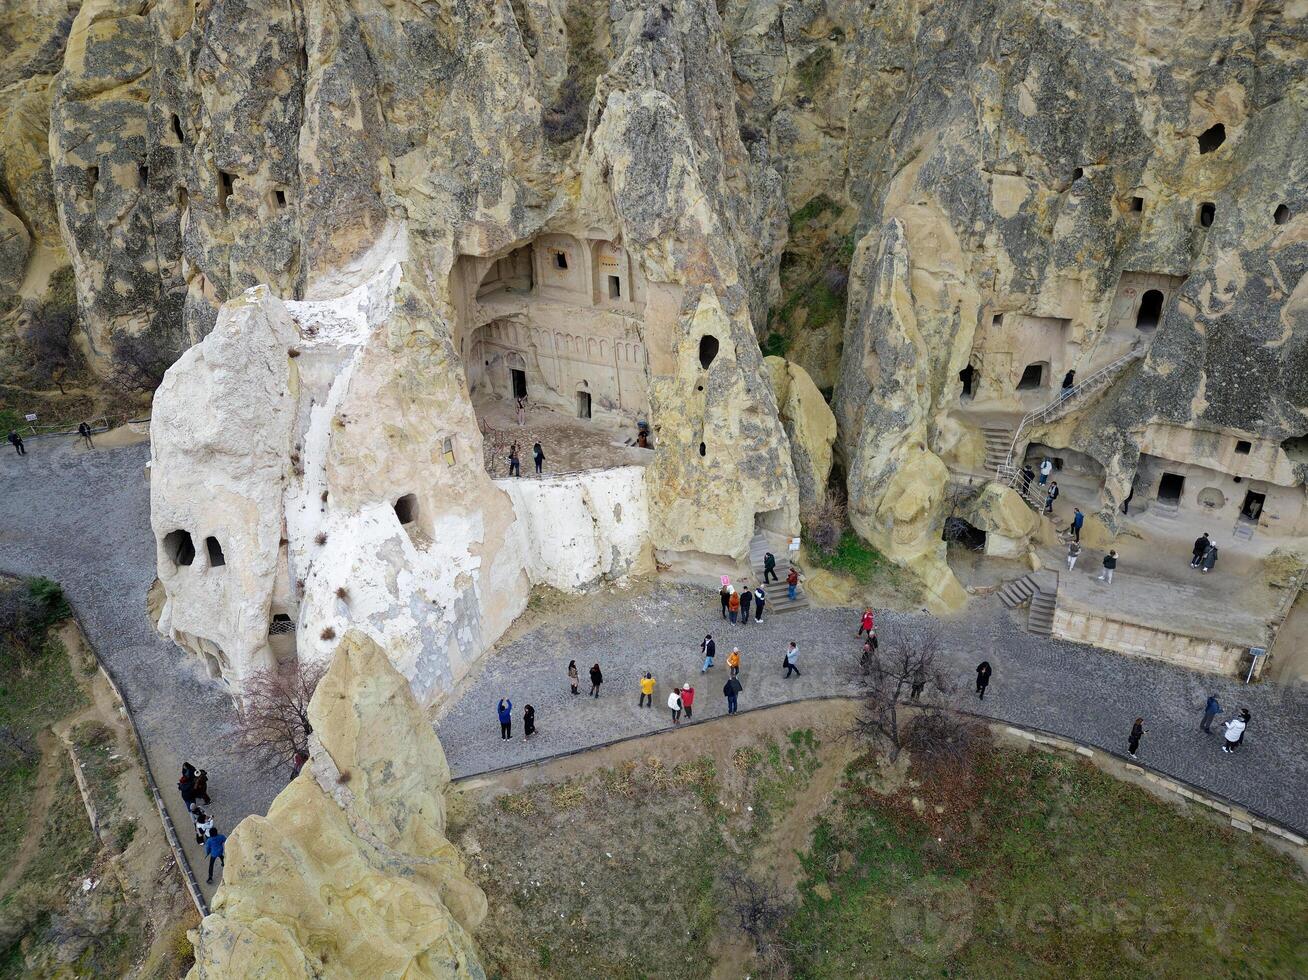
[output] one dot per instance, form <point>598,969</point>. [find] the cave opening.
<point>1033,376</point>
<point>179,547</point>
<point>177,129</point>
<point>1281,215</point>
<point>406,508</point>
<point>968,377</point>
<point>1207,212</point>
<point>1170,487</point>
<point>215,551</point>
<point>1151,310</point>
<point>708,350</point>
<point>226,185</point>
<point>1211,138</point>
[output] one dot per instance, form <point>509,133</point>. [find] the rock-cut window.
<point>708,350</point>
<point>179,547</point>
<point>215,550</point>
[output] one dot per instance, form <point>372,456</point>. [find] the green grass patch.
<point>812,209</point>
<point>1029,864</point>
<point>775,345</point>
<point>859,560</point>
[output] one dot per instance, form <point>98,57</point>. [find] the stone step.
<point>1040,618</point>
<point>1018,591</point>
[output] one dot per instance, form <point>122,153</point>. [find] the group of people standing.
<point>194,787</point>
<point>515,464</point>
<point>83,433</point>
<point>736,605</point>
<point>1233,728</point>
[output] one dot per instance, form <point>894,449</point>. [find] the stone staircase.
<point>1040,615</point>
<point>1034,495</point>
<point>778,600</point>
<point>999,441</point>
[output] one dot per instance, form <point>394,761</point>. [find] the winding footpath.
<point>82,517</point>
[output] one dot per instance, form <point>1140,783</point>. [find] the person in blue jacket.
<point>1211,710</point>
<point>506,718</point>
<point>214,848</point>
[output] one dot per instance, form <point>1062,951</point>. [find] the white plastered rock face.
<point>291,433</point>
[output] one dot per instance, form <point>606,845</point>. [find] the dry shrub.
<point>519,805</point>
<point>825,523</point>
<point>567,795</point>
<point>620,781</point>
<point>328,633</point>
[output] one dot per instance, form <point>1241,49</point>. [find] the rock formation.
<point>946,215</point>
<point>350,873</point>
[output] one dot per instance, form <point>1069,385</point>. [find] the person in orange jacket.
<point>733,607</point>
<point>733,661</point>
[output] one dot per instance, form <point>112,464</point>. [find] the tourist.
<point>687,698</point>
<point>572,676</point>
<point>1234,733</point>
<point>596,679</point>
<point>646,691</point>
<point>297,762</point>
<point>1199,550</point>
<point>514,465</point>
<point>733,606</point>
<point>760,600</point>
<point>1078,521</point>
<point>1209,560</point>
<point>17,442</point>
<point>213,847</point>
<point>521,408</point>
<point>982,678</point>
<point>867,624</point>
<point>84,431</point>
<point>746,598</point>
<point>731,690</point>
<point>1028,475</point>
<point>1110,565</point>
<point>203,824</point>
<point>1211,710</point>
<point>919,683</point>
<point>538,455</point>
<point>792,582</point>
<point>674,702</point>
<point>709,649</point>
<point>186,786</point>
<point>1046,467</point>
<point>792,655</point>
<point>1069,382</point>
<point>769,568</point>
<point>202,787</point>
<point>1073,553</point>
<point>505,711</point>
<point>870,646</point>
<point>1050,497</point>
<point>528,722</point>
<point>733,661</point>
<point>726,598</point>
<point>1137,732</point>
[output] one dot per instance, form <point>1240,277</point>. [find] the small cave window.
<point>177,129</point>
<point>1296,448</point>
<point>279,198</point>
<point>583,404</point>
<point>1137,204</point>
<point>143,173</point>
<point>281,624</point>
<point>1033,376</point>
<point>1211,138</point>
<point>215,551</point>
<point>1207,212</point>
<point>406,508</point>
<point>997,319</point>
<point>1281,215</point>
<point>615,287</point>
<point>447,450</point>
<point>179,547</point>
<point>92,178</point>
<point>560,260</point>
<point>1078,173</point>
<point>1170,487</point>
<point>1243,447</point>
<point>703,449</point>
<point>226,184</point>
<point>183,198</point>
<point>708,350</point>
<point>1151,310</point>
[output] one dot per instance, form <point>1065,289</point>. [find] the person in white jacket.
<point>674,702</point>
<point>1235,731</point>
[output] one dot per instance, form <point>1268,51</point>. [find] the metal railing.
<point>1007,470</point>
<point>102,423</point>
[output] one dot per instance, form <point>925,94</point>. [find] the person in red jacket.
<point>866,626</point>
<point>687,698</point>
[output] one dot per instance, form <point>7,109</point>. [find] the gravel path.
<point>1086,694</point>
<point>82,517</point>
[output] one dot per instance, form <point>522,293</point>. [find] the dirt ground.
<point>130,884</point>
<point>637,890</point>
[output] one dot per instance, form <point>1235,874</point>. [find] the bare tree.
<point>49,333</point>
<point>903,658</point>
<point>139,361</point>
<point>273,719</point>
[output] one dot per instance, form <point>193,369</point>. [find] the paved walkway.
<point>1086,694</point>
<point>83,518</point>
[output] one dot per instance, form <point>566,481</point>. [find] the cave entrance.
<point>968,377</point>
<point>1170,487</point>
<point>1033,376</point>
<point>959,532</point>
<point>583,404</point>
<point>1252,507</point>
<point>1151,310</point>
<point>519,378</point>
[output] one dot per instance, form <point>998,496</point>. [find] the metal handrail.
<point>1007,468</point>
